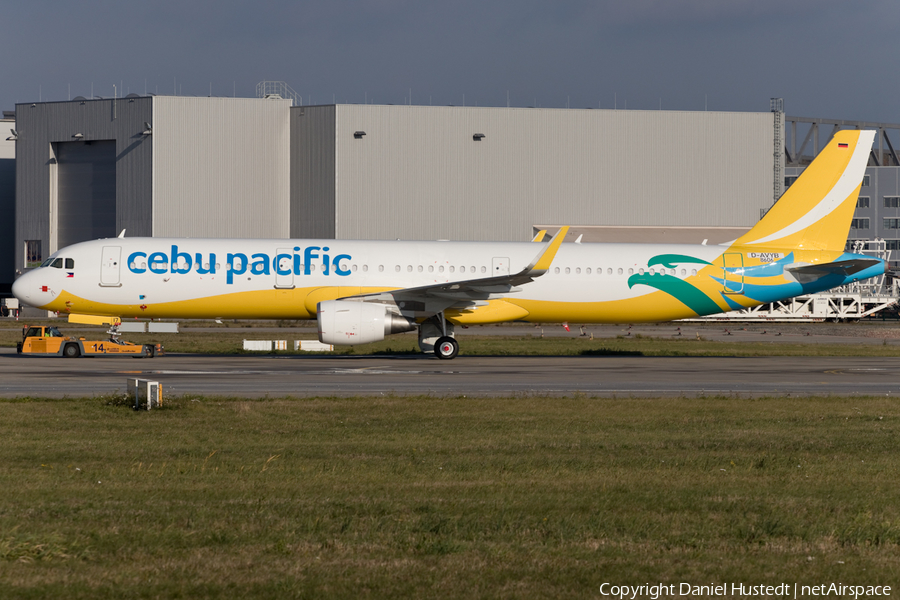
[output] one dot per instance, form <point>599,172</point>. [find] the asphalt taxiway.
<point>303,376</point>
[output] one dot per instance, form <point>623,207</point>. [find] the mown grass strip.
<point>457,497</point>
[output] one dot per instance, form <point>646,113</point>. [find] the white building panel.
<point>221,167</point>
<point>419,174</point>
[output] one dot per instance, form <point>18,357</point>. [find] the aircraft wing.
<point>844,268</point>
<point>468,293</point>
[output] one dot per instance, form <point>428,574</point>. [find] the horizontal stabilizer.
<point>844,268</point>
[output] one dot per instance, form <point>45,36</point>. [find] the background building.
<point>420,172</point>
<point>7,202</point>
<point>877,213</point>
<point>152,165</point>
<point>239,167</point>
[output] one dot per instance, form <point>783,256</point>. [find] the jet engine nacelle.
<point>346,322</point>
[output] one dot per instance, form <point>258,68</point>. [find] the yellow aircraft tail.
<point>815,212</point>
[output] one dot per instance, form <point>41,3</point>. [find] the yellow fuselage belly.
<point>300,303</point>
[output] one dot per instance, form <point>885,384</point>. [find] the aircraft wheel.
<point>71,351</point>
<point>446,348</point>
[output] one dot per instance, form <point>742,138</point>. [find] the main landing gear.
<point>436,335</point>
<point>446,348</point>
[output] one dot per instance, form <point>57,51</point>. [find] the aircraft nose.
<point>20,288</point>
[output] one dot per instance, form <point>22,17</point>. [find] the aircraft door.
<point>500,267</point>
<point>284,269</point>
<point>733,272</point>
<point>109,266</point>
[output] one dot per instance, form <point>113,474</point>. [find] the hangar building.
<point>423,172</point>
<point>7,202</point>
<point>260,167</point>
<point>154,166</point>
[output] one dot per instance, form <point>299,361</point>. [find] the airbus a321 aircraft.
<point>361,291</point>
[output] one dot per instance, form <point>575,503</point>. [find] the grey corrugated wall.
<point>40,125</point>
<point>221,167</point>
<point>312,172</point>
<point>7,207</point>
<point>418,173</point>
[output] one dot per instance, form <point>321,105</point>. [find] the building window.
<point>865,181</point>
<point>892,201</point>
<point>789,181</point>
<point>892,244</point>
<point>864,223</point>
<point>33,255</point>
<point>862,202</point>
<point>891,223</point>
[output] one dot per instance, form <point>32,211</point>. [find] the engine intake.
<point>346,322</point>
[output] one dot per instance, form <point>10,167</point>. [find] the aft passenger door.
<point>733,272</point>
<point>109,266</point>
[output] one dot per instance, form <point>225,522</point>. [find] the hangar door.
<point>86,191</point>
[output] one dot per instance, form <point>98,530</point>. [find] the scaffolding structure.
<point>278,89</point>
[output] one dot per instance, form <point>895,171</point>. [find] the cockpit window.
<point>47,262</point>
<point>57,263</point>
<point>70,263</point>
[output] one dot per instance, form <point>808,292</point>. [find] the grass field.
<point>449,498</point>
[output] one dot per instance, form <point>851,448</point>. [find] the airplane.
<point>362,291</point>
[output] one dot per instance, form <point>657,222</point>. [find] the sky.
<point>834,59</point>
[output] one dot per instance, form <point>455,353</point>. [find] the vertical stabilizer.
<point>815,212</point>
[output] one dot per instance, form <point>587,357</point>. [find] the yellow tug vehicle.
<point>39,340</point>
